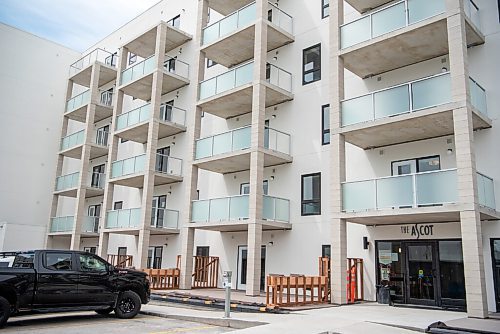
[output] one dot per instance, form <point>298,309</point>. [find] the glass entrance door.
<point>421,273</point>
<point>495,256</point>
<point>241,282</point>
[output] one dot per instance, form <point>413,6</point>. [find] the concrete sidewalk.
<point>362,318</point>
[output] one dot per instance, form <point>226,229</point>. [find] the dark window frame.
<point>117,203</point>
<point>324,250</point>
<point>302,201</point>
<point>314,69</point>
<point>211,63</point>
<point>324,130</point>
<point>324,7</point>
<point>72,261</point>
<point>176,19</point>
<point>132,58</point>
<point>416,161</point>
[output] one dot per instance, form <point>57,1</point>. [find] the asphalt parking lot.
<point>89,322</point>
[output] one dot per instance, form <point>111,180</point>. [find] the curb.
<point>220,322</point>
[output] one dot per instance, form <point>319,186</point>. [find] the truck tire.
<point>127,305</point>
<point>4,311</point>
<point>104,311</point>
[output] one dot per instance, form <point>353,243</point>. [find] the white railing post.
<point>415,192</point>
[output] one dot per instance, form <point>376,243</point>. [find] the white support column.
<point>338,160</point>
<point>470,220</point>
<point>257,156</point>
<point>193,133</point>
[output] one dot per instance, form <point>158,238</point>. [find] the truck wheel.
<point>104,311</point>
<point>128,305</point>
<point>4,311</point>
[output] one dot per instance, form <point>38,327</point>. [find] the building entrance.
<point>422,272</point>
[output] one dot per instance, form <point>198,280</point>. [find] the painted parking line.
<point>184,329</point>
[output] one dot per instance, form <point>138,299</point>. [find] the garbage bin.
<point>383,294</point>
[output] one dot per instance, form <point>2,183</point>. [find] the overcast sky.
<point>77,24</point>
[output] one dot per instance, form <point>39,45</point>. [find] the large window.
<point>325,8</point>
<point>58,261</point>
<point>311,69</point>
<point>311,194</point>
<point>91,263</point>
<point>325,124</point>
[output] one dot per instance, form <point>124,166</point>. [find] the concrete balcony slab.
<point>142,87</point>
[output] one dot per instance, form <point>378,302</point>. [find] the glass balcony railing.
<point>403,191</point>
<point>220,209</point>
<point>168,165</point>
<point>126,218</point>
<point>62,224</point>
<point>164,218</point>
<point>138,70</point>
<point>382,21</point>
<point>236,208</point>
<point>73,140</point>
<point>99,55</point>
<point>409,97</point>
<point>472,11</point>
<point>486,191</point>
<point>68,181</point>
<point>243,75</point>
<point>478,97</point>
<point>244,17</point>
<point>128,166</point>
<point>276,209</point>
<point>97,180</point>
<point>176,66</point>
<point>78,101</point>
<point>90,224</point>
<point>169,113</point>
<point>133,117</point>
<point>239,139</point>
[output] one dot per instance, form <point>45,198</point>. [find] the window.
<point>325,124</point>
<point>91,250</point>
<point>118,205</point>
<point>418,165</point>
<point>132,58</point>
<point>325,8</point>
<point>175,22</point>
<point>245,188</point>
<point>311,194</point>
<point>326,251</point>
<point>202,251</point>
<point>58,261</point>
<point>210,63</point>
<point>154,257</point>
<point>311,70</point>
<point>89,262</point>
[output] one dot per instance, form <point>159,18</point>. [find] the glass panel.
<point>389,19</point>
<point>228,24</point>
<point>390,267</point>
<point>421,9</point>
<point>135,217</point>
<point>355,32</point>
<point>171,219</point>
<point>395,192</point>
<point>238,208</point>
<point>247,15</point>
<point>241,138</point>
<point>437,188</point>
<point>208,88</point>
<point>219,209</point>
<point>358,196</point>
<point>200,211</point>
<point>204,148</point>
<point>392,102</point>
<point>222,143</point>
<point>112,220</point>
<point>244,75</point>
<point>225,82</point>
<point>282,210</point>
<point>451,267</point>
<point>268,208</point>
<point>431,92</point>
<point>210,33</point>
<point>128,166</point>
<point>357,110</point>
<point>428,164</point>
<point>123,218</point>
<point>420,269</point>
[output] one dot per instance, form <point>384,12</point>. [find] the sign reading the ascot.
<point>418,230</point>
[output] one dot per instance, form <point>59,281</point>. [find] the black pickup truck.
<point>62,280</point>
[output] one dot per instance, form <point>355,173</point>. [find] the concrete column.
<point>257,156</point>
<point>151,147</point>
<point>470,221</point>
<point>109,189</point>
<point>338,159</point>
<point>193,126</point>
<point>85,159</point>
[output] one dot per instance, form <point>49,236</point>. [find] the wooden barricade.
<point>296,290</point>
<point>324,269</point>
<point>163,279</point>
<point>205,272</point>
<point>120,261</point>
<point>355,283</point>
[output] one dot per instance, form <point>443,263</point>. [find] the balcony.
<point>164,221</point>
<point>76,107</point>
<point>90,226</point>
<point>400,34</point>
<point>231,213</point>
<point>429,197</point>
<point>80,72</point>
<point>72,145</point>
<point>416,110</point>
<point>134,124</point>
<point>130,172</point>
<point>230,94</point>
<point>62,225</point>
<point>230,41</point>
<point>66,185</point>
<point>229,152</point>
<point>124,220</point>
<point>137,80</point>
<point>145,44</point>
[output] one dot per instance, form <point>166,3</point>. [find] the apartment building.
<point>269,134</point>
